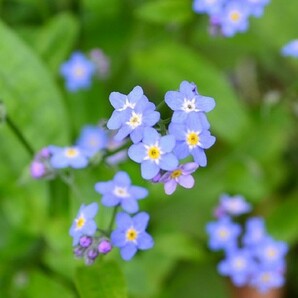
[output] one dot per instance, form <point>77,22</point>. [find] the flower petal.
<point>168,162</point>
<point>149,169</point>
<point>170,186</point>
<point>187,181</point>
<point>145,241</point>
<point>128,251</point>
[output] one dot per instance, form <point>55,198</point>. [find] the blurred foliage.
<point>155,44</point>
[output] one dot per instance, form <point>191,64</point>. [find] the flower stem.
<point>112,220</point>
<point>69,181</point>
<point>160,105</point>
<point>19,135</point>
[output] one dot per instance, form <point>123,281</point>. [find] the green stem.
<point>160,105</point>
<point>112,220</point>
<point>19,136</point>
<point>69,181</point>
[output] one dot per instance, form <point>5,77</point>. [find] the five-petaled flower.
<point>84,223</point>
<point>119,191</point>
<point>130,235</point>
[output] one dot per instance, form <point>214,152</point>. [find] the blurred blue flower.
<point>121,103</point>
<point>265,279</point>
<point>154,153</point>
<point>192,139</point>
<point>92,139</point>
<point>187,101</point>
<point>256,7</point>
<point>271,252</point>
<point>77,72</point>
<point>130,234</point>
<point>84,223</point>
<point>210,7</point>
<point>255,231</point>
<point>234,205</point>
<point>119,191</point>
<point>238,265</point>
<point>223,234</point>
<point>73,157</point>
<point>181,176</point>
<point>290,49</point>
<point>234,18</point>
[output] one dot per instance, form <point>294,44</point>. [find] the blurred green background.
<point>155,44</point>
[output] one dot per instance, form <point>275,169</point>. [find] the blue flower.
<point>271,252</point>
<point>154,153</point>
<point>256,7</point>
<point>238,265</point>
<point>77,72</point>
<point>92,139</point>
<point>187,101</point>
<point>223,234</point>
<point>72,157</point>
<point>119,191</point>
<point>291,49</point>
<point>255,231</point>
<point>234,18</point>
<point>135,120</point>
<point>130,234</point>
<point>265,279</point>
<point>192,139</point>
<point>121,103</point>
<point>84,223</point>
<point>234,205</point>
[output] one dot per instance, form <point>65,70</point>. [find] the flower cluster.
<point>290,49</point>
<point>229,16</point>
<point>159,150</point>
<point>40,167</point>
<point>252,256</point>
<point>130,235</point>
<point>79,70</point>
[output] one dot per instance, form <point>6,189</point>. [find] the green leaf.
<point>168,64</point>
<point>165,11</point>
<point>56,39</point>
<point>104,280</point>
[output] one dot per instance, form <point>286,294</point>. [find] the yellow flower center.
<point>71,152</point>
<point>93,141</point>
<point>131,234</point>
<point>266,277</point>
<point>154,152</point>
<point>223,233</point>
<point>235,16</point>
<point>135,120</point>
<point>239,263</point>
<point>175,174</point>
<point>192,139</point>
<point>271,252</point>
<point>79,71</point>
<point>80,222</point>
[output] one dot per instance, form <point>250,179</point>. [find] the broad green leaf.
<point>165,11</point>
<point>104,280</point>
<point>56,39</point>
<point>168,64</point>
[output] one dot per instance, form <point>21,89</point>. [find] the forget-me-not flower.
<point>154,153</point>
<point>119,191</point>
<point>234,205</point>
<point>255,231</point>
<point>291,49</point>
<point>130,235</point>
<point>77,72</point>
<point>84,223</point>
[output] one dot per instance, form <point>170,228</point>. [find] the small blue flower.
<point>223,234</point>
<point>192,139</point>
<point>121,103</point>
<point>77,72</point>
<point>234,18</point>
<point>187,101</point>
<point>135,120</point>
<point>130,234</point>
<point>291,49</point>
<point>234,205</point>
<point>271,252</point>
<point>238,265</point>
<point>256,7</point>
<point>119,191</point>
<point>84,223</point>
<point>72,157</point>
<point>265,279</point>
<point>92,139</point>
<point>255,231</point>
<point>154,153</point>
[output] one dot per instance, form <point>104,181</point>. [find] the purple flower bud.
<point>92,254</point>
<point>78,251</point>
<point>44,153</point>
<point>104,246</point>
<point>37,170</point>
<point>85,241</point>
<point>156,179</point>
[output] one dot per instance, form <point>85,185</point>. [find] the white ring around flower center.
<point>153,152</point>
<point>189,105</point>
<point>135,120</point>
<point>126,105</point>
<point>121,192</point>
